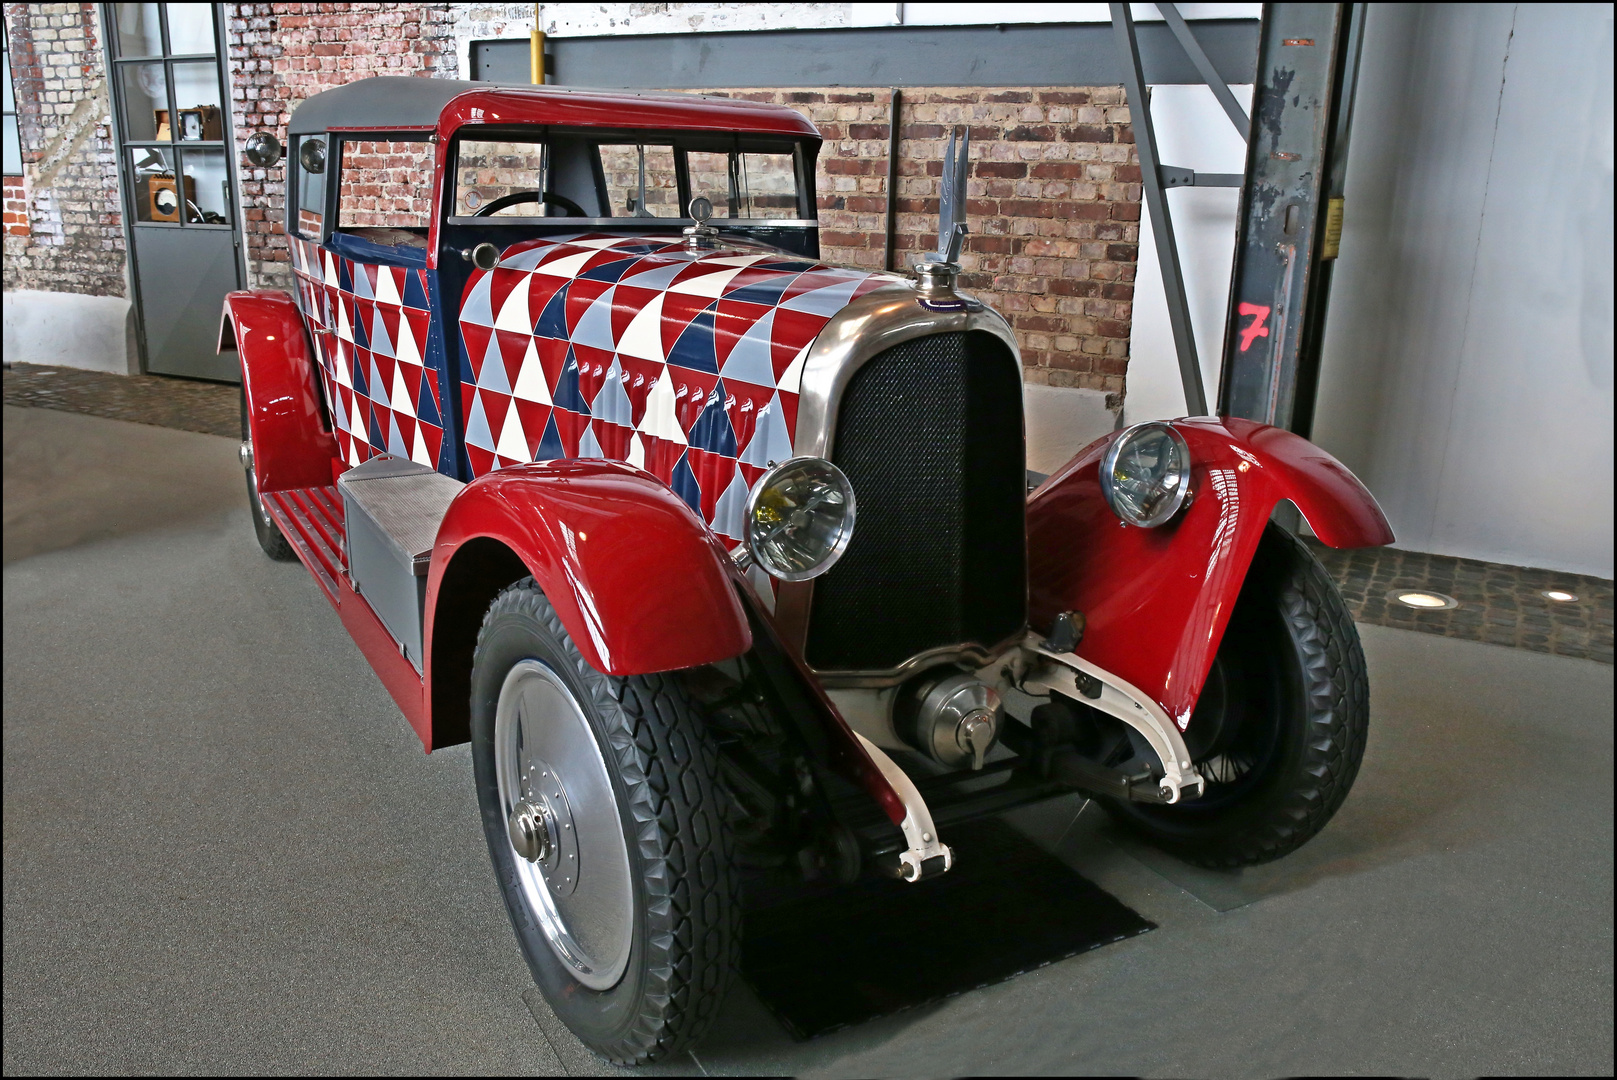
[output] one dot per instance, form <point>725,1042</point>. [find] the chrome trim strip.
<point>865,328</point>
<point>869,326</point>
<point>970,653</point>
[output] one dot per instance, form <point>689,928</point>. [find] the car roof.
<point>399,103</point>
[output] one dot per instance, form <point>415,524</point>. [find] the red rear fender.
<point>636,578</point>
<point>291,446</point>
<point>1156,601</point>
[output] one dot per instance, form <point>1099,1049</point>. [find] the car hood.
<point>684,362</point>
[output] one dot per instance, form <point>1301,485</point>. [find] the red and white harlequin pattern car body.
<point>637,348</point>
<point>624,375</point>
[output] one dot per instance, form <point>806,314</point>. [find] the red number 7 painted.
<point>1255,328</point>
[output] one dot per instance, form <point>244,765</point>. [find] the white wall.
<point>1193,132</point>
<point>70,330</point>
<point>1468,356</point>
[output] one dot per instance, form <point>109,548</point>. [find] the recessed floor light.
<point>1560,596</point>
<point>1423,600</point>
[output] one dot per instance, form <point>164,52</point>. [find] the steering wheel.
<point>550,198</point>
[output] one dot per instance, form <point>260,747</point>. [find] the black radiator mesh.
<point>930,435</point>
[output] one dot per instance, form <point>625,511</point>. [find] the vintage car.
<point>726,561</point>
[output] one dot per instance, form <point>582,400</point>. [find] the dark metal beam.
<point>1050,54</point>
<point>1156,201</point>
<point>1209,74</point>
<point>891,233</point>
<point>1279,285</point>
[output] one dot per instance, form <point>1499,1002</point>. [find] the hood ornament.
<point>938,271</point>
<point>701,235</point>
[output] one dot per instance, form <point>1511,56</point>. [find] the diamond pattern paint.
<point>372,327</point>
<point>684,363</point>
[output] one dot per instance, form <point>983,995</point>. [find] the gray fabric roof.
<point>387,101</point>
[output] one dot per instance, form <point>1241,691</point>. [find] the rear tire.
<point>269,534</point>
<point>630,754</point>
<point>1280,729</point>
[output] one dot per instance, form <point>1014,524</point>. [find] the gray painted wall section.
<point>1026,55</point>
<point>1468,358</point>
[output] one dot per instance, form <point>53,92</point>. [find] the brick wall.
<point>1053,192</point>
<point>281,54</point>
<point>72,240</point>
<point>381,184</point>
<point>16,207</point>
<point>1053,205</point>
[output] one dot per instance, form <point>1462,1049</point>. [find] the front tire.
<point>1280,729</point>
<point>269,534</point>
<point>618,777</point>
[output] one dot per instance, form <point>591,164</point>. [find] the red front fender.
<point>1156,601</point>
<point>291,446</point>
<point>637,579</point>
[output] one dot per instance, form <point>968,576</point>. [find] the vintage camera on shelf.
<point>201,123</point>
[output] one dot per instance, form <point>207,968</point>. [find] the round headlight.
<point>799,518</point>
<point>1145,475</point>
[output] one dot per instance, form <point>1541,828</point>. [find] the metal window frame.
<point>126,195</point>
<point>10,115</point>
<point>176,146</point>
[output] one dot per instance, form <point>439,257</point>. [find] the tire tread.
<point>670,769</point>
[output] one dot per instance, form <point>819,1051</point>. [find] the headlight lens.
<point>799,518</point>
<point>1145,475</point>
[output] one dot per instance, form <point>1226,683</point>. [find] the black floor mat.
<point>880,946</point>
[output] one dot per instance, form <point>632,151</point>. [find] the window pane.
<point>621,165</point>
<point>5,57</point>
<point>207,187</point>
<point>196,95</point>
<point>145,103</point>
<point>138,30</point>
<point>486,171</point>
<point>13,149</point>
<point>768,186</point>
<point>190,27</point>
<point>710,178</point>
<point>157,195</point>
<point>310,149</point>
<point>385,185</point>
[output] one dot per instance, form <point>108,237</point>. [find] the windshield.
<point>506,179</point>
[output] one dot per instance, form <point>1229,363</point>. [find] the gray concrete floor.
<point>225,852</point>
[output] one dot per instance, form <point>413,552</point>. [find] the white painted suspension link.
<point>1045,671</point>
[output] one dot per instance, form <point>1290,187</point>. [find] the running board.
<point>311,519</point>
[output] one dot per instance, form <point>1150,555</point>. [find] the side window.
<point>311,169</point>
<point>385,183</point>
<point>622,165</point>
<point>508,176</point>
<point>710,178</point>
<point>768,186</point>
<point>746,184</point>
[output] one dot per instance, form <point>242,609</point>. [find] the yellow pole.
<point>536,50</point>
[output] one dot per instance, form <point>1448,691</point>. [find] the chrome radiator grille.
<point>930,435</point>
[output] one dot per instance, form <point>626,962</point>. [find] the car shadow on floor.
<point>1456,728</point>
